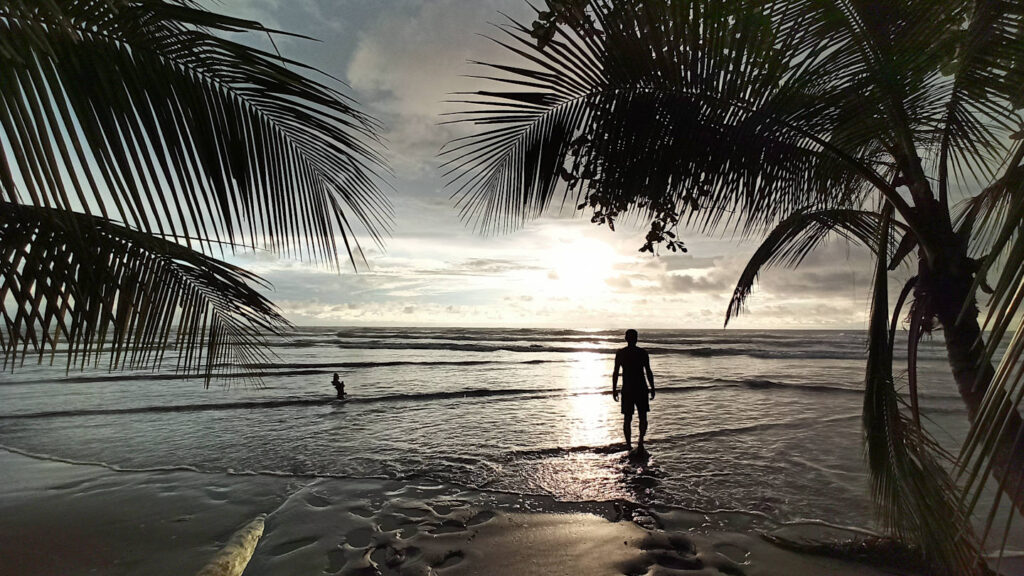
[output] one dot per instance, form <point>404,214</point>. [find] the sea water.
<point>763,423</point>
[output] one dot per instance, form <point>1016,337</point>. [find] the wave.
<point>528,393</point>
<point>531,393</point>
<point>616,447</point>
<point>270,369</point>
<point>387,363</point>
<point>51,458</point>
<point>604,336</point>
<point>762,384</point>
<point>823,353</point>
<point>287,402</point>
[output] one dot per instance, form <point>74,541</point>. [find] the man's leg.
<point>643,428</point>
<point>627,424</point>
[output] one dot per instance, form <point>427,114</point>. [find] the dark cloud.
<point>690,284</point>
<point>823,282</point>
<point>675,262</point>
<point>671,263</point>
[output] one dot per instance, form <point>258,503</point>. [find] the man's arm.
<point>650,375</point>
<point>615,378</point>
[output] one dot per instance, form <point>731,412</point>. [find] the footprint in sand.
<point>451,558</point>
<point>674,552</point>
<point>732,552</point>
<point>392,556</point>
<point>336,560</point>
<point>408,532</point>
<point>441,509</point>
<point>391,522</point>
<point>360,537</point>
<point>675,561</point>
<point>417,513</point>
<point>480,518</point>
<point>448,527</point>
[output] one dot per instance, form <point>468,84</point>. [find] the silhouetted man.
<point>635,364</point>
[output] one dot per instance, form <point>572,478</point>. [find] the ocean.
<point>758,427</point>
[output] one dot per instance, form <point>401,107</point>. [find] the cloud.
<point>689,284</point>
<point>674,262</point>
<point>823,282</point>
<point>409,62</point>
<point>620,282</point>
<point>402,59</point>
<point>491,266</point>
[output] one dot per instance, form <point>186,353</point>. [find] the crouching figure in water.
<point>339,385</point>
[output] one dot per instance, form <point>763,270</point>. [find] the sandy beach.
<point>59,518</point>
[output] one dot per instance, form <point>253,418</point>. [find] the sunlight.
<point>588,410</point>
<point>580,267</point>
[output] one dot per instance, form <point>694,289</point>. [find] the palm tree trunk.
<point>964,348</point>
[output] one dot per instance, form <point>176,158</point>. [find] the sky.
<point>401,60</point>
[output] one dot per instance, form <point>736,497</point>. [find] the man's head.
<point>631,336</point>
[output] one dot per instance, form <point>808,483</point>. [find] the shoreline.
<point>613,510</point>
<point>63,518</point>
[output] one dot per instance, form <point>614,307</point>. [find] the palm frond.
<point>724,113</point>
<point>798,235</point>
<point>106,106</point>
<point>897,49</point>
<point>86,288</point>
<point>985,61</point>
<point>982,218</point>
<point>992,433</point>
<point>914,496</point>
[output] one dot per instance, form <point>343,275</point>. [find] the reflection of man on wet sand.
<point>635,364</point>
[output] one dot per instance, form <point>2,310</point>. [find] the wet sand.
<point>66,519</point>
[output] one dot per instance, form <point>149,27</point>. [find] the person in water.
<point>339,385</point>
<point>635,364</point>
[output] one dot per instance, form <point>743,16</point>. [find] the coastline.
<point>63,518</point>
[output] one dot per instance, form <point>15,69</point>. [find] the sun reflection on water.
<point>589,411</point>
<point>591,464</point>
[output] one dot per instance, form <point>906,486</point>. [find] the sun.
<point>579,267</point>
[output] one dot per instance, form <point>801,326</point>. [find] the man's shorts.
<point>635,400</point>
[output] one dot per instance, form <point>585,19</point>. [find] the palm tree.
<point>894,124</point>
<point>136,140</point>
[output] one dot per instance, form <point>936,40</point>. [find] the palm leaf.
<point>986,61</point>
<point>914,496</point>
<point>798,235</point>
<point>107,106</point>
<point>640,121</point>
<point>86,288</point>
<point>983,217</point>
<point>999,415</point>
